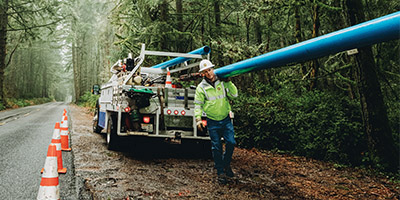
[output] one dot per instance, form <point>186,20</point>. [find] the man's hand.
<point>200,125</point>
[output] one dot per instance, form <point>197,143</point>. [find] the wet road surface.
<point>25,134</point>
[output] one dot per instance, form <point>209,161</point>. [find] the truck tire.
<point>96,127</point>
<point>112,137</point>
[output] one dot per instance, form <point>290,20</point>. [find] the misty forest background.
<point>56,50</point>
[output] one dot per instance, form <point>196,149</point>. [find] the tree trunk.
<point>83,68</point>
<point>203,40</point>
<point>179,18</point>
<point>258,36</point>
<point>217,14</point>
<point>258,31</point>
<point>3,46</point>
<point>179,11</point>
<point>164,18</point>
<point>314,63</point>
<point>297,34</point>
<point>248,22</point>
<point>30,84</point>
<point>44,79</point>
<point>268,34</point>
<point>79,67</point>
<point>381,145</point>
<point>75,72</point>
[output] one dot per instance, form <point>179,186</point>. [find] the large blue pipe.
<point>202,51</point>
<point>382,29</point>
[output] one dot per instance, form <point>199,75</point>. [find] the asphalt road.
<point>25,134</point>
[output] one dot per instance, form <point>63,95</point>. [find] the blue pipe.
<point>378,30</point>
<point>202,51</point>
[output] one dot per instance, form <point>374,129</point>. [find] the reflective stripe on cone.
<point>49,185</point>
<point>64,135</point>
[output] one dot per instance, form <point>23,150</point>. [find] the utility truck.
<point>141,101</point>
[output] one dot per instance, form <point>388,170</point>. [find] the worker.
<point>212,97</point>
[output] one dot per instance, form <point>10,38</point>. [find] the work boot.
<point>221,179</point>
<point>229,172</point>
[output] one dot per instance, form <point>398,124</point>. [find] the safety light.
<point>176,112</point>
<point>169,112</point>
<point>127,109</point>
<point>146,120</point>
<point>204,122</point>
<point>183,112</point>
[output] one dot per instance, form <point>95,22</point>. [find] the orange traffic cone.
<point>64,135</point>
<point>49,188</point>
<point>64,114</point>
<point>56,140</point>
<point>65,120</point>
<point>63,117</point>
<point>168,82</point>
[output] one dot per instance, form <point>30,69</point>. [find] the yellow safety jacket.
<point>214,100</point>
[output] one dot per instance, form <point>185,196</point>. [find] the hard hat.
<point>205,64</point>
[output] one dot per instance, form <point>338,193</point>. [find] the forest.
<point>340,108</point>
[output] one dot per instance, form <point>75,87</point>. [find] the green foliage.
<point>275,110</point>
<point>18,103</point>
<point>41,100</point>
<point>27,70</point>
<point>316,124</point>
<point>88,100</point>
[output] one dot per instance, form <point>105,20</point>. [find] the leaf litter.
<point>156,170</point>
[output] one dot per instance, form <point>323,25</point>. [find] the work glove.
<point>200,125</point>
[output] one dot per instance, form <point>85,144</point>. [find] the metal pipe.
<point>378,30</point>
<point>202,51</point>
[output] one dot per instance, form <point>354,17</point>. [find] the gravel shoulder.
<point>156,170</point>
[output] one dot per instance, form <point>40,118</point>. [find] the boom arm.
<point>382,29</point>
<point>201,51</point>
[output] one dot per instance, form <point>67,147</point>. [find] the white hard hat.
<point>205,64</point>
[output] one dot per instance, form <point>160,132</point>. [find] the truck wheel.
<point>112,137</point>
<point>96,127</point>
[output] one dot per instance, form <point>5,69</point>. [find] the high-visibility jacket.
<point>214,100</point>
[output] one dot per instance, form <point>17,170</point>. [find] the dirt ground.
<point>156,170</point>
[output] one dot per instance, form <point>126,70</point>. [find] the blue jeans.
<point>218,129</point>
